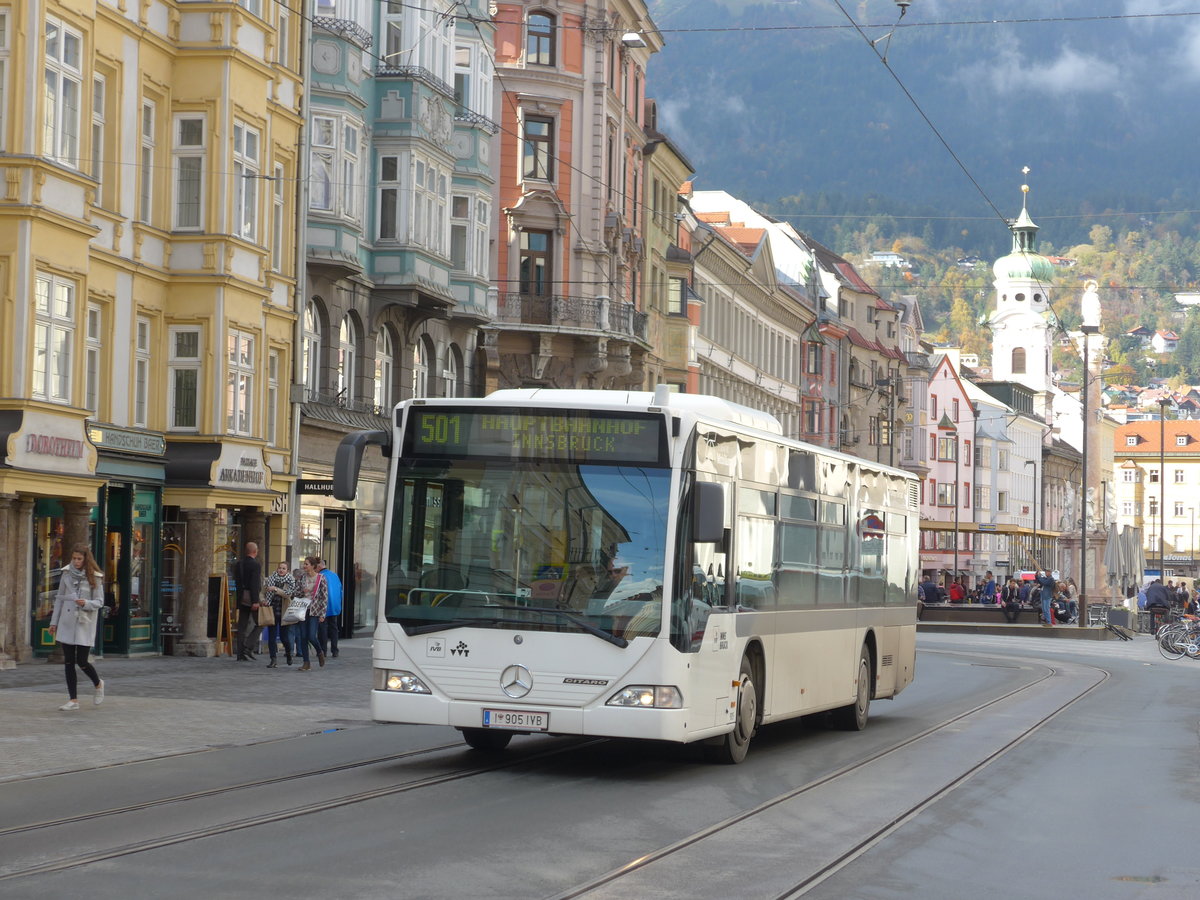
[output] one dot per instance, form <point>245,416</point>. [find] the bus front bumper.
<point>598,721</point>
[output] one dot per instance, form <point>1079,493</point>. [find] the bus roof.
<point>697,404</point>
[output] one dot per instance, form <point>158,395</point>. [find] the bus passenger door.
<point>711,634</point>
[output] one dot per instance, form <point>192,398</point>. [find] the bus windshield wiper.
<point>464,622</point>
<point>582,623</point>
<point>498,620</point>
<point>452,623</point>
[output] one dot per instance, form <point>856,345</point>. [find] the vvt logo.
<point>460,649</point>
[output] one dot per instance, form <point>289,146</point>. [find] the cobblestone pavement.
<point>160,706</point>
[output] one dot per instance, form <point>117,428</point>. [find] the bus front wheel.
<point>486,739</point>
<point>732,747</point>
<point>854,716</point>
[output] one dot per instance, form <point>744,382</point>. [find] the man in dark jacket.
<point>1158,601</point>
<point>929,591</point>
<point>1048,586</point>
<point>247,577</point>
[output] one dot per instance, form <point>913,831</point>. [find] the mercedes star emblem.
<point>516,681</point>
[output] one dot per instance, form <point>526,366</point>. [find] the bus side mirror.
<point>348,460</point>
<point>708,524</point>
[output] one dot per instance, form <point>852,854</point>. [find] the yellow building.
<point>147,259</point>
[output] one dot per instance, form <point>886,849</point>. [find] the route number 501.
<point>439,429</point>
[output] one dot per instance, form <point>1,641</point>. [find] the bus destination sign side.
<point>576,436</point>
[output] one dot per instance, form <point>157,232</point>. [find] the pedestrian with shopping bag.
<point>313,593</point>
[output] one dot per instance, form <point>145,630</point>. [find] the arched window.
<point>1018,361</point>
<point>453,374</point>
<point>420,364</point>
<point>384,356</point>
<point>539,39</point>
<point>347,358</point>
<point>312,350</point>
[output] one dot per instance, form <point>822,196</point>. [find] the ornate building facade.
<point>398,250</point>
<point>571,239</point>
<point>147,257</point>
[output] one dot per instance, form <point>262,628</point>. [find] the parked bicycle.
<point>1179,638</point>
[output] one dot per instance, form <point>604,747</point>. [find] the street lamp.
<point>1162,487</point>
<point>1037,507</point>
<point>1089,308</point>
<point>1192,545</point>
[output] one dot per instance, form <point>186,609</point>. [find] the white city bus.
<point>634,565</point>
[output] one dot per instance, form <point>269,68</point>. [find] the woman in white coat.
<point>76,610</point>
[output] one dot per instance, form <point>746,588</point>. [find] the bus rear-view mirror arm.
<point>708,525</point>
<point>348,460</point>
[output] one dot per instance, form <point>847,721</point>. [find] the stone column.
<point>192,605</point>
<point>254,528</point>
<point>10,593</point>
<point>20,544</point>
<point>75,525</point>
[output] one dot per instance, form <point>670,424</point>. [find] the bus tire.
<point>854,716</point>
<point>731,748</point>
<point>486,739</point>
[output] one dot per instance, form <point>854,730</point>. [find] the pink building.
<point>948,526</point>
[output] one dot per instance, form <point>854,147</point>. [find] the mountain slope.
<point>1100,109</point>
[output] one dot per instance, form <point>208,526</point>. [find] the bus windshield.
<point>534,545</point>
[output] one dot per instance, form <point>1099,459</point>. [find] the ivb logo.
<point>460,649</point>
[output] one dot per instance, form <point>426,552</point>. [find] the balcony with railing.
<point>345,28</point>
<point>416,73</point>
<point>474,118</point>
<point>583,313</point>
<point>334,406</point>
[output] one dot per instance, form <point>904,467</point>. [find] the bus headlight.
<point>648,696</point>
<point>403,682</point>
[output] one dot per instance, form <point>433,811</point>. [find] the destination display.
<point>569,436</point>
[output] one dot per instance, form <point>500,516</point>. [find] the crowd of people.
<point>313,594</point>
<point>304,616</point>
<point>1056,600</point>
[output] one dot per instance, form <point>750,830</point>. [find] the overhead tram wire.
<point>475,21</point>
<point>648,211</point>
<point>945,23</point>
<point>953,155</point>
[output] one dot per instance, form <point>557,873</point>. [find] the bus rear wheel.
<point>733,746</point>
<point>486,739</point>
<point>854,716</point>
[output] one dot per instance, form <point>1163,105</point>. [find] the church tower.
<point>1023,323</point>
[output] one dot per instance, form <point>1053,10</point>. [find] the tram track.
<point>259,818</point>
<point>617,882</point>
<point>224,789</point>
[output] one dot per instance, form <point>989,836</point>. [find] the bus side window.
<point>755,548</point>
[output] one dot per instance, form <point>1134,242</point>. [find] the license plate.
<point>518,720</point>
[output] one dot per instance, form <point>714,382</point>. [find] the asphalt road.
<point>1012,767</point>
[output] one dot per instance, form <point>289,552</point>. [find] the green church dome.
<point>1024,266</point>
